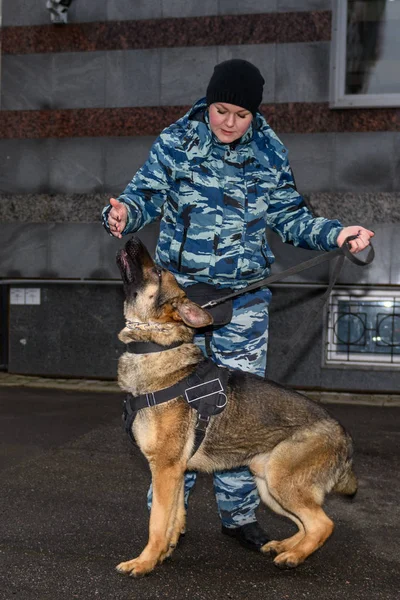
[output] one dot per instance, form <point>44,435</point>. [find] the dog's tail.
<point>347,484</point>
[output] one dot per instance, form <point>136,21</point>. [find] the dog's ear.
<point>193,315</point>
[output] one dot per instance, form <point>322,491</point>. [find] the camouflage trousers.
<point>242,345</point>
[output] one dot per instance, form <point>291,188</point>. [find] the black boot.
<point>251,535</point>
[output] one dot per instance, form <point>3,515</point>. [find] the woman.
<point>217,178</point>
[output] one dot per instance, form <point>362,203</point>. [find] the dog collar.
<point>148,347</point>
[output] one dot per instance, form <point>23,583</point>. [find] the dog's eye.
<point>158,271</point>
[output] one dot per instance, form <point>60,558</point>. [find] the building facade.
<point>81,104</point>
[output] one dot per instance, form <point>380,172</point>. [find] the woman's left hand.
<point>361,241</point>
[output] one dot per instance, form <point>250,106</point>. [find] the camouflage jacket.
<point>215,201</point>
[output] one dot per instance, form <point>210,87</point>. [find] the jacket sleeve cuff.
<point>104,218</point>
<point>329,234</point>
<point>132,217</point>
<point>130,223</point>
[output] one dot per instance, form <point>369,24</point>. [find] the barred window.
<point>363,329</point>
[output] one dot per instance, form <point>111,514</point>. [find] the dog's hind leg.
<point>167,483</point>
<point>295,475</point>
<point>318,528</point>
<point>258,467</point>
<point>277,547</point>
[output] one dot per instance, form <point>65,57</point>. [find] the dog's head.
<point>152,294</point>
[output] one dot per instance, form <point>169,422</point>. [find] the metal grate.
<point>363,328</point>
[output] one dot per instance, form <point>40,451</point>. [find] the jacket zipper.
<point>184,236</point>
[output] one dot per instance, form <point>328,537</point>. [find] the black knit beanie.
<point>236,82</point>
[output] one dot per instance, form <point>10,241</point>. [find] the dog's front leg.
<point>177,525</point>
<point>167,485</point>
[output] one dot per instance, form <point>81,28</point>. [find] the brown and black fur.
<point>297,452</point>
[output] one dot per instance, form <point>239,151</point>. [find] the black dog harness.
<point>204,390</point>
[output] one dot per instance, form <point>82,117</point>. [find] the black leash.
<point>340,253</point>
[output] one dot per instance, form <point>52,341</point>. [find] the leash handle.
<point>346,248</point>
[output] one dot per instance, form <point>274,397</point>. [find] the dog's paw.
<point>173,544</point>
<point>167,554</point>
<point>287,560</point>
<point>135,567</point>
<point>270,548</point>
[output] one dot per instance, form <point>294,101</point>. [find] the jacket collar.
<point>199,140</point>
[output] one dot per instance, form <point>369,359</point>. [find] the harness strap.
<point>204,390</point>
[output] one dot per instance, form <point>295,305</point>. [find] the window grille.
<point>363,329</point>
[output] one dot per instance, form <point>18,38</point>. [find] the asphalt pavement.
<point>73,505</point>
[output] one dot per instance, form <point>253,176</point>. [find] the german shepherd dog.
<point>295,449</point>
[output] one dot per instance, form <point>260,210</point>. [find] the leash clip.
<point>210,304</point>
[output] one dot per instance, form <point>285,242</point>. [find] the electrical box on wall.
<point>24,295</point>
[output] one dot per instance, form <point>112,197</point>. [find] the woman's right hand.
<point>117,217</point>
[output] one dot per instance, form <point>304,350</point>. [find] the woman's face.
<point>229,122</point>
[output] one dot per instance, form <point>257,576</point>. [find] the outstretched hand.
<point>117,217</point>
<point>361,241</point>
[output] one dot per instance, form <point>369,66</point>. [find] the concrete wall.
<point>26,12</point>
<point>161,76</point>
<point>322,163</point>
<point>53,185</point>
